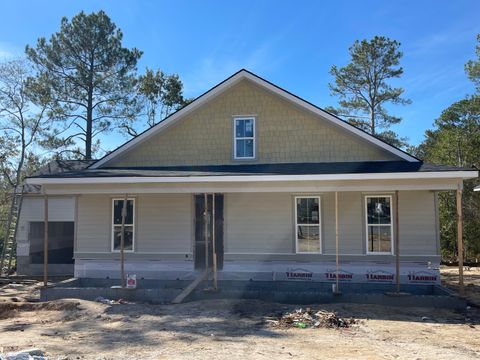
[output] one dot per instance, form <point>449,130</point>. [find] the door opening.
<point>200,241</point>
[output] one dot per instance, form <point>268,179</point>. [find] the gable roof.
<point>228,83</point>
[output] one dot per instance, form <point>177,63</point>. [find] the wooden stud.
<point>214,251</point>
<point>122,241</point>
<point>337,262</point>
<point>397,244</point>
<point>205,215</point>
<point>460,239</point>
<point>45,241</point>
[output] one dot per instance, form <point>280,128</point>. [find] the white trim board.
<point>252,178</point>
<point>226,84</point>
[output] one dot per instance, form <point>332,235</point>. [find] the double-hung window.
<point>307,224</point>
<point>129,226</point>
<point>379,224</point>
<point>244,139</point>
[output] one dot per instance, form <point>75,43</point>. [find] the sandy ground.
<point>228,329</point>
<point>471,279</point>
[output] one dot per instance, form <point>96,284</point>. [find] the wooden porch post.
<point>122,241</point>
<point>45,241</point>
<point>214,252</point>
<point>337,289</point>
<point>460,238</point>
<point>205,217</point>
<point>397,244</point>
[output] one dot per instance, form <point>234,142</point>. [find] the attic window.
<point>244,138</point>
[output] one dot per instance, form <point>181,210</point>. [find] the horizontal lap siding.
<point>94,222</point>
<point>417,223</point>
<point>264,223</point>
<point>259,223</point>
<point>255,223</point>
<point>59,208</point>
<point>164,223</point>
<point>350,223</point>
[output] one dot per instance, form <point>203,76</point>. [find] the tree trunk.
<point>88,135</point>
<point>372,121</point>
<point>89,127</point>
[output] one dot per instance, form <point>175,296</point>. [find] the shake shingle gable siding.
<point>365,167</point>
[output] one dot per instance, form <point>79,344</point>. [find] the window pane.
<point>248,128</point>
<point>117,212</point>
<point>308,238</point>
<point>240,149</point>
<point>379,239</point>
<point>128,240</point>
<point>378,210</point>
<point>308,211</point>
<point>249,148</point>
<point>240,128</point>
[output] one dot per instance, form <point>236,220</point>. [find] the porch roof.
<point>247,171</point>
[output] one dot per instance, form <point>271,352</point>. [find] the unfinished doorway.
<point>200,241</point>
<point>60,242</point>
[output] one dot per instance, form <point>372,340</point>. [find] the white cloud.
<point>230,55</point>
<point>8,51</point>
<point>443,40</point>
<point>213,69</point>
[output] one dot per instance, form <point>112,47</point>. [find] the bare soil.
<point>229,329</point>
<point>471,280</point>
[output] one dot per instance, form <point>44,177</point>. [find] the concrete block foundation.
<point>161,292</point>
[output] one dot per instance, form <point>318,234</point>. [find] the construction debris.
<point>307,318</point>
<point>27,354</point>
<point>103,300</point>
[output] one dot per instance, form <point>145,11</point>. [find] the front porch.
<point>262,232</point>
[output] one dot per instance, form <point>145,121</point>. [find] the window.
<point>117,224</point>
<point>244,141</point>
<point>307,224</point>
<point>379,224</point>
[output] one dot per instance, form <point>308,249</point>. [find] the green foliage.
<point>472,67</point>
<point>22,120</point>
<point>456,141</point>
<point>159,94</point>
<point>89,77</point>
<point>363,89</point>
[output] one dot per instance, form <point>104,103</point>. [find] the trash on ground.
<point>27,354</point>
<point>103,300</point>
<point>308,318</point>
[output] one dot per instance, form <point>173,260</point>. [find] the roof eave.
<point>464,174</point>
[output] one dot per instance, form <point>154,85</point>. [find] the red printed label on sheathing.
<point>380,276</point>
<point>342,275</point>
<point>299,274</point>
<point>422,276</point>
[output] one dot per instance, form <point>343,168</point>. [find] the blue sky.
<point>291,43</point>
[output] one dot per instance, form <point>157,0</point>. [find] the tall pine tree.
<point>363,89</point>
<point>89,75</point>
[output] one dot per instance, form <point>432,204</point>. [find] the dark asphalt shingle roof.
<point>56,167</point>
<point>258,169</point>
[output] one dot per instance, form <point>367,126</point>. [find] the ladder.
<point>9,241</point>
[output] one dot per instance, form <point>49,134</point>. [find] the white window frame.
<point>113,224</point>
<point>235,138</point>
<point>319,223</point>
<point>392,239</point>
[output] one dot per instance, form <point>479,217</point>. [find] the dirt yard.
<point>227,329</point>
<point>472,282</point>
